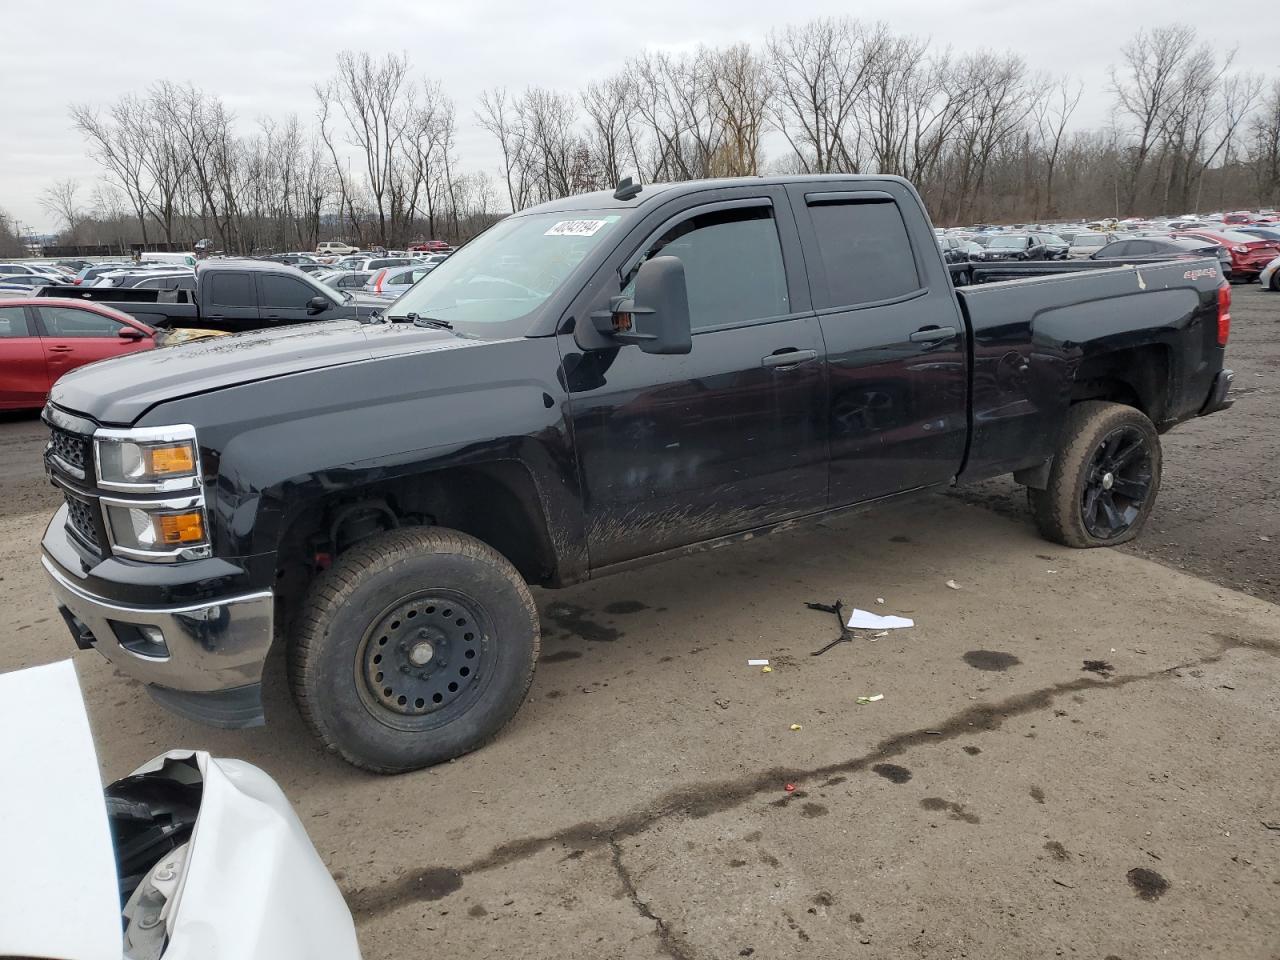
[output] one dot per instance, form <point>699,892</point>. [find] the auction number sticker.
<point>1197,274</point>
<point>577,228</point>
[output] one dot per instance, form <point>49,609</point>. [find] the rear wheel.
<point>1104,479</point>
<point>1275,281</point>
<point>415,647</point>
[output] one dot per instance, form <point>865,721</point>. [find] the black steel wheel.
<point>1104,478</point>
<point>422,655</point>
<point>415,647</point>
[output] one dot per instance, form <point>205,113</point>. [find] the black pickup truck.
<point>591,384</point>
<point>230,295</point>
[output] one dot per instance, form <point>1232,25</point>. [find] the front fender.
<point>277,446</point>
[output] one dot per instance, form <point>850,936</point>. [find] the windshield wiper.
<point>428,322</point>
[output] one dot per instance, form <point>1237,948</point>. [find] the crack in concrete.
<point>704,799</point>
<point>669,942</point>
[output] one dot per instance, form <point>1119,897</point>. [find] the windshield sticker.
<point>576,228</point>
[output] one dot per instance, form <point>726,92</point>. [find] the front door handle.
<point>59,349</point>
<point>933,334</point>
<point>788,357</point>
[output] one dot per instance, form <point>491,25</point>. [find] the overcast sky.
<point>262,58</point>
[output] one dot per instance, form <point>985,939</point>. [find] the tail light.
<point>1224,313</point>
<point>377,283</point>
<point>77,281</point>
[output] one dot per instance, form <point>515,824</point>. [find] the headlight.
<point>147,459</point>
<point>157,529</point>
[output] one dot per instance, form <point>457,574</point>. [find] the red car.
<point>41,338</point>
<point>430,246</point>
<point>1249,254</point>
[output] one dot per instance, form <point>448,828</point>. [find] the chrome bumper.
<point>199,660</point>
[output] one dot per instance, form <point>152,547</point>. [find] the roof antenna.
<point>627,189</point>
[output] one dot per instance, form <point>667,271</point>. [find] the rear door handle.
<point>59,349</point>
<point>788,357</point>
<point>933,334</point>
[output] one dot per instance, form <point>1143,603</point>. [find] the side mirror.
<point>318,305</point>
<point>130,333</point>
<point>657,318</point>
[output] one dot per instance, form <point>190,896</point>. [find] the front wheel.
<point>1104,479</point>
<point>415,647</point>
<point>1275,281</point>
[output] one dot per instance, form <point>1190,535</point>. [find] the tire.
<point>1081,507</point>
<point>415,647</point>
<point>1275,281</point>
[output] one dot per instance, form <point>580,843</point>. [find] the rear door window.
<point>232,290</point>
<point>864,249</point>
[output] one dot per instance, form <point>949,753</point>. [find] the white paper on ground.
<point>757,663</point>
<point>862,620</point>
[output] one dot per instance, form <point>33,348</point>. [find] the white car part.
<point>246,884</point>
<point>58,894</point>
<point>1268,272</point>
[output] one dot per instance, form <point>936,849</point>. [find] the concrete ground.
<point>1001,800</point>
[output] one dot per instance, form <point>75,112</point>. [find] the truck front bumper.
<point>1218,399</point>
<point>202,661</point>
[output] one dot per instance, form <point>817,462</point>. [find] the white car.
<point>335,248</point>
<point>33,270</point>
<point>207,855</point>
<point>1084,245</point>
<point>1270,276</point>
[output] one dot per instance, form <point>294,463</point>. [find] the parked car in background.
<point>1270,276</point>
<point>1239,217</point>
<point>293,259</point>
<point>1055,246</point>
<point>312,268</point>
<point>41,339</point>
<point>338,248</point>
<point>1086,244</point>
<point>26,281</point>
<point>1260,232</point>
<point>350,280</point>
<point>1162,248</point>
<point>90,274</point>
<point>1015,246</point>
<point>390,282</point>
<point>31,270</point>
<point>1249,254</point>
<point>431,246</point>
<point>230,295</point>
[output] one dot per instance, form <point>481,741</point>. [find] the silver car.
<point>390,282</point>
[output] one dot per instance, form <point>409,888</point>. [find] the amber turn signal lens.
<point>179,528</point>
<point>168,460</point>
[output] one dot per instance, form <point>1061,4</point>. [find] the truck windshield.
<point>509,270</point>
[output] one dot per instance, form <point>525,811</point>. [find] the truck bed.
<point>1032,336</point>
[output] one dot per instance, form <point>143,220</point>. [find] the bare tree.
<point>1052,115</point>
<point>372,97</point>
<point>59,200</point>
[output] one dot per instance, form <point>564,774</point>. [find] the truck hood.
<point>120,390</point>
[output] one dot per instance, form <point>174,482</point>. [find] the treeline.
<point>984,135</point>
